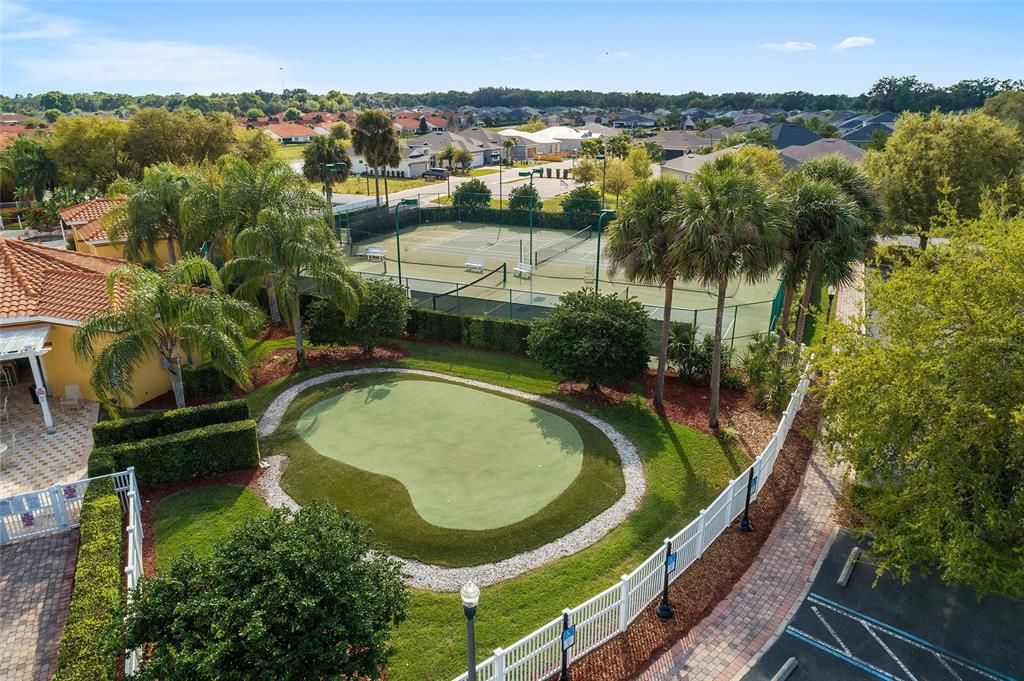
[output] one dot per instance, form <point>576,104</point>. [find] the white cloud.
<point>21,23</point>
<point>853,41</point>
<point>791,46</point>
<point>186,65</point>
<point>609,56</point>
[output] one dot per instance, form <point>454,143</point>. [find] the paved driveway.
<point>923,630</point>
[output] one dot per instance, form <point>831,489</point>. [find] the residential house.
<point>698,114</point>
<point>862,134</point>
<point>291,133</point>
<point>85,227</point>
<point>826,146</point>
<point>531,144</point>
<point>750,118</point>
<point>787,134</point>
<point>676,143</point>
<point>885,118</point>
<point>852,123</point>
<point>45,293</point>
<point>634,121</point>
<point>599,130</point>
<point>568,138</point>
<point>686,166</point>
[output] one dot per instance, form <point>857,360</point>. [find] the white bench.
<point>374,253</point>
<point>475,265</point>
<point>523,270</point>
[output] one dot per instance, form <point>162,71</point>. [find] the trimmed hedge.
<point>489,333</point>
<point>195,453</point>
<point>82,654</point>
<point>155,424</point>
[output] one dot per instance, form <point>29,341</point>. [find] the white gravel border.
<point>438,578</point>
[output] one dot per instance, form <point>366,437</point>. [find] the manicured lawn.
<point>198,519</point>
<point>290,152</point>
<point>357,185</point>
<point>384,503</point>
<point>685,470</point>
<point>477,172</point>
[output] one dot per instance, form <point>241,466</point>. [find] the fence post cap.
<point>567,611</point>
<point>499,652</point>
<point>624,578</point>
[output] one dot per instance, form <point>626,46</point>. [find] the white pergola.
<point>29,342</point>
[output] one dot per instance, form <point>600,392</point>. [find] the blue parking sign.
<point>670,564</point>
<point>569,637</point>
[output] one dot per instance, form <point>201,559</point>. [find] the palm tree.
<point>729,227</point>
<point>463,157</point>
<point>374,138</point>
<point>153,211</point>
<point>290,251</point>
<point>642,241</point>
<point>164,313</point>
<point>320,151</point>
<point>30,168</point>
<point>448,154</point>
<point>509,144</point>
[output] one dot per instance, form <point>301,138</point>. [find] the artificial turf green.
<point>198,519</point>
<point>470,459</point>
<point>685,470</point>
<point>384,503</point>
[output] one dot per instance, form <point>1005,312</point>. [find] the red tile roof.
<point>407,123</point>
<point>87,217</point>
<point>437,121</point>
<point>290,130</point>
<point>41,281</point>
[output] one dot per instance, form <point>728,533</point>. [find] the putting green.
<point>470,459</point>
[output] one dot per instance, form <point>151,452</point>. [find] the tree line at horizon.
<point>896,93</point>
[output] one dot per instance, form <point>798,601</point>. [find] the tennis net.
<point>561,246</point>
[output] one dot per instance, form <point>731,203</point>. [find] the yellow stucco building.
<point>84,226</point>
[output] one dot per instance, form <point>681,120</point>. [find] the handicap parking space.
<point>922,630</point>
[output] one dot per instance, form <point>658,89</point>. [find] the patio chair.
<point>72,396</point>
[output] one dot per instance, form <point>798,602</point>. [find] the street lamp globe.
<point>831,289</point>
<point>470,594</point>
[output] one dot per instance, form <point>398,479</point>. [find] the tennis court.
<point>437,258</point>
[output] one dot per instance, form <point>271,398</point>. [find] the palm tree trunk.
<point>172,255</point>
<point>805,303</point>
<point>300,352</point>
<point>666,321</point>
<point>387,195</point>
<point>716,357</point>
<point>177,385</point>
<point>922,240</point>
<point>783,330</point>
<point>275,309</point>
<point>376,183</point>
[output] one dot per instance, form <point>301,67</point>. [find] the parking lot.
<point>923,630</point>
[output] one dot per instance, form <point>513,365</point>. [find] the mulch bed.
<point>711,578</point>
<point>153,495</point>
<point>282,362</point>
<point>687,403</point>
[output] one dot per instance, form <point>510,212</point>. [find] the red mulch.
<point>687,403</point>
<point>282,362</point>
<point>710,579</point>
<point>153,495</point>
<point>166,401</point>
<point>275,332</point>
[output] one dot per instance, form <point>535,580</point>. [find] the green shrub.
<point>195,453</point>
<point>383,313</point>
<point>473,193</point>
<point>769,389</point>
<point>83,653</point>
<point>691,358</point>
<point>204,380</point>
<point>155,424</point>
<point>733,380</point>
<point>489,333</point>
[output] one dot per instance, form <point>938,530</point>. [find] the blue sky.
<point>377,45</point>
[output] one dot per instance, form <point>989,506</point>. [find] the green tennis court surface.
<point>470,459</point>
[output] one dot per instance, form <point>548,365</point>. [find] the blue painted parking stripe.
<point>927,644</point>
<point>845,658</point>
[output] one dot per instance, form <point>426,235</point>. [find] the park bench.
<point>374,253</point>
<point>523,270</point>
<point>475,265</point>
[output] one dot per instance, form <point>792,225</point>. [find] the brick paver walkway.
<point>35,589</point>
<point>729,641</point>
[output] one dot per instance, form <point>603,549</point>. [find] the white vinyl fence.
<point>59,508</point>
<point>538,656</point>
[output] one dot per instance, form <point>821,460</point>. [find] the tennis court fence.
<point>587,626</point>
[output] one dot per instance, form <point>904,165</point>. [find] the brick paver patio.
<point>35,589</point>
<point>729,641</point>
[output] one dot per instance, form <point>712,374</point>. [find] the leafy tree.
<point>473,193</point>
<point>152,213</point>
<point>759,136</point>
<point>283,252</point>
<point>643,241</point>
<point>585,171</point>
<point>51,115</point>
<point>323,150</point>
<point>767,162</point>
<point>54,99</point>
<point>618,178</point>
<point>583,205</point>
<point>942,157</point>
<point>90,151</point>
<point>255,146</point>
<point>290,595</point>
<point>341,132</point>
<point>1007,106</point>
<point>423,128</point>
<point>292,114</point>
<point>927,409</point>
<point>383,313</point>
<point>876,140</point>
<point>731,228</point>
<point>600,339</point>
<point>590,148</point>
<point>639,163</point>
<point>164,313</point>
<point>253,113</point>
<point>154,136</point>
<point>525,198</point>
<point>535,124</point>
<point>374,138</point>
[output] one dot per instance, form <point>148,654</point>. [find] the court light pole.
<point>604,166</point>
<point>398,242</point>
<point>327,169</point>
<point>470,594</point>
<point>602,216</point>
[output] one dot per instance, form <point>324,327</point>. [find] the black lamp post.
<point>470,594</point>
<point>604,215</point>
<point>328,169</point>
<point>828,310</point>
<point>398,242</point>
